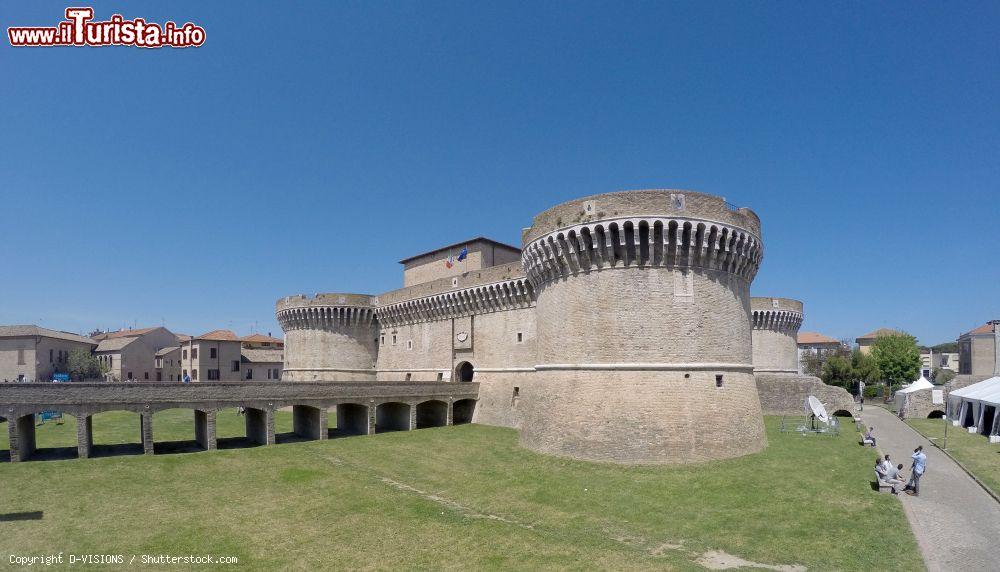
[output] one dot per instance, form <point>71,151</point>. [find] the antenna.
<point>817,409</point>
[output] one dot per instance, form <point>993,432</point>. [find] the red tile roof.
<point>987,328</point>
<point>814,338</point>
<point>261,338</point>
<point>124,333</point>
<point>219,336</point>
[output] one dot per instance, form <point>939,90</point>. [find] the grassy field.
<point>122,428</point>
<point>453,498</point>
<point>974,451</point>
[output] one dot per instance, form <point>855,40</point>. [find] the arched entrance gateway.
<point>464,371</point>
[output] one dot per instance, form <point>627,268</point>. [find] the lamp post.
<point>944,446</point>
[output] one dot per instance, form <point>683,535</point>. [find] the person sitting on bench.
<point>880,476</point>
<point>869,437</point>
<point>894,476</point>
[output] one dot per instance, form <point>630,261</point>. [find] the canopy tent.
<point>976,407</point>
<point>902,393</point>
<point>921,383</point>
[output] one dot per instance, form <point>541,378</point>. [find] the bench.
<point>862,441</point>
<point>879,484</point>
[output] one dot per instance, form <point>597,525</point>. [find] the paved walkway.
<point>957,524</point>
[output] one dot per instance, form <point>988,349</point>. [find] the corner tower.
<point>329,338</point>
<point>776,323</point>
<point>643,321</point>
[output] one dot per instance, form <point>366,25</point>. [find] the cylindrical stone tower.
<point>643,316</point>
<point>331,337</point>
<point>776,323</point>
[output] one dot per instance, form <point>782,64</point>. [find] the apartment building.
<point>212,356</point>
<point>33,353</point>
<point>130,355</point>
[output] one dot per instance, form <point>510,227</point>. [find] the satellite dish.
<point>817,409</point>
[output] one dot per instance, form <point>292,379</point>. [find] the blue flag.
<point>462,255</point>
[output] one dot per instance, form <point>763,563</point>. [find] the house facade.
<point>33,353</point>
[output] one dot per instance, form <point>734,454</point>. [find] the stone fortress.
<point>782,389</point>
<point>622,330</point>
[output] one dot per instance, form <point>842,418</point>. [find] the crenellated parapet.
<point>482,299</point>
<point>779,320</point>
<point>643,300</point>
<point>325,312</point>
<point>681,230</point>
<point>776,323</point>
<point>330,337</point>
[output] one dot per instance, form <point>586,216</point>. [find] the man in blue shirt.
<point>919,466</point>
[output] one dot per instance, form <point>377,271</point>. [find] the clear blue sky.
<point>308,147</point>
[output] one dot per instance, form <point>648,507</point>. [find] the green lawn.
<point>972,450</point>
<point>455,498</point>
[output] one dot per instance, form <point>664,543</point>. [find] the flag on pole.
<point>448,262</point>
<point>463,254</point>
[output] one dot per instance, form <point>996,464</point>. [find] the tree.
<point>81,364</point>
<point>865,368</point>
<point>897,357</point>
<point>837,370</point>
<point>941,376</point>
<point>812,363</point>
<point>847,370</point>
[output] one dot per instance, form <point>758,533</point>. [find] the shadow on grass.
<point>116,450</point>
<point>174,447</point>
<point>289,437</point>
<point>235,443</point>
<point>14,516</point>
<point>54,454</point>
<point>334,433</point>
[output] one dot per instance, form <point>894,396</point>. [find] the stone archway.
<point>433,413</point>
<point>462,411</point>
<point>464,372</point>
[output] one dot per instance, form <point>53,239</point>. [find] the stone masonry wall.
<point>776,323</point>
<point>920,404</point>
<point>786,394</point>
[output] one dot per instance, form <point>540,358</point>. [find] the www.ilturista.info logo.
<point>79,30</point>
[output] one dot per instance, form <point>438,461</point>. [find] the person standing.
<point>919,466</point>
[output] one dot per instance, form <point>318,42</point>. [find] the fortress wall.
<point>429,356</point>
<point>495,342</point>
<point>330,337</point>
<point>503,364</point>
<point>643,317</point>
<point>649,323</point>
<point>772,352</point>
<point>643,417</point>
<point>776,323</point>
<point>431,268</point>
<point>493,274</point>
<point>499,404</point>
<point>625,204</point>
<point>920,404</point>
<point>786,394</point>
<point>319,355</point>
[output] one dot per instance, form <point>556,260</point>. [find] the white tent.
<point>977,407</point>
<point>921,383</point>
<point>901,393</point>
